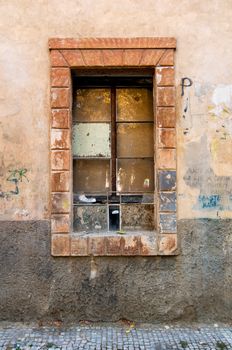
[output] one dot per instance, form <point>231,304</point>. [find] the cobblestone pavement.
<point>114,337</point>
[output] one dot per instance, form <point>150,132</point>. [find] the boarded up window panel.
<point>90,218</point>
<point>91,175</point>
<point>91,140</point>
<point>92,105</point>
<point>135,175</point>
<point>135,140</point>
<point>134,104</point>
<point>137,217</point>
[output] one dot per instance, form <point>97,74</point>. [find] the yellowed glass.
<point>135,175</point>
<point>92,105</point>
<point>91,175</point>
<point>134,104</point>
<point>135,140</point>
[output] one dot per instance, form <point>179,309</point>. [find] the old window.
<point>113,151</point>
<point>109,178</point>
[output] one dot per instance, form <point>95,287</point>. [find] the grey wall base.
<point>194,286</point>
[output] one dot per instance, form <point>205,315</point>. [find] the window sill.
<point>113,244</point>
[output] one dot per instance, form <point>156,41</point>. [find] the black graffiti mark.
<point>16,176</point>
<point>185,82</point>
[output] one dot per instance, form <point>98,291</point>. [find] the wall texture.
<point>194,285</point>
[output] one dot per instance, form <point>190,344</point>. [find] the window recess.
<point>113,152</point>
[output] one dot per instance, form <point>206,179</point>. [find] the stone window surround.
<point>67,54</point>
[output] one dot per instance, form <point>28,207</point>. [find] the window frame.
<point>110,53</point>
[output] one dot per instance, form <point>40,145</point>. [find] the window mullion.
<point>113,139</point>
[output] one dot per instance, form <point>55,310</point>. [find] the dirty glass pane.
<point>134,104</point>
<point>92,105</point>
<point>135,175</point>
<point>91,175</point>
<point>135,140</point>
<point>88,218</point>
<point>137,217</point>
<point>91,140</point>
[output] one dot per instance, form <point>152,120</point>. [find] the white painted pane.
<point>91,140</point>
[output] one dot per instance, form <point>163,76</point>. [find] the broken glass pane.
<point>91,175</point>
<point>90,218</point>
<point>135,140</point>
<point>137,217</point>
<point>134,104</point>
<point>135,175</point>
<point>91,140</point>
<point>92,105</point>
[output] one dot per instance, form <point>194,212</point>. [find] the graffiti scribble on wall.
<point>16,176</point>
<point>212,201</point>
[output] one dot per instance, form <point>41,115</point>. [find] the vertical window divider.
<point>113,139</point>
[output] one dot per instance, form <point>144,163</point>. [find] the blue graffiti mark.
<point>212,201</point>
<point>16,176</point>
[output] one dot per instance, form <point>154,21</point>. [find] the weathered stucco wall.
<point>204,38</point>
<point>60,287</point>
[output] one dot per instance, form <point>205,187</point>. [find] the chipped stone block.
<point>168,223</point>
<point>167,138</point>
<point>113,245</point>
<point>60,245</point>
<point>60,223</point>
<point>73,57</point>
<point>93,57</point>
<point>60,160</point>
<point>97,245</point>
<point>60,139</point>
<point>79,245</point>
<point>168,244</point>
<point>166,117</point>
<point>60,98</point>
<point>165,76</point>
<point>112,57</point>
<point>151,57</point>
<point>167,201</point>
<point>60,202</point>
<point>167,59</point>
<point>166,158</point>
<point>57,60</point>
<point>60,181</point>
<point>130,245</point>
<point>60,118</point>
<point>167,180</point>
<point>60,77</point>
<point>148,244</point>
<point>165,96</point>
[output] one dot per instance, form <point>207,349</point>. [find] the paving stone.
<point>114,336</point>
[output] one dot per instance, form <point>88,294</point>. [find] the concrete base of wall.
<point>194,286</point>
